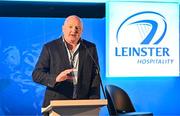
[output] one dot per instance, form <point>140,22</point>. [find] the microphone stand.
<point>98,74</point>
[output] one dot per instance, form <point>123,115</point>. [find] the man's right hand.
<point>64,75</point>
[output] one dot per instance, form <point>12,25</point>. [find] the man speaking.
<point>67,66</point>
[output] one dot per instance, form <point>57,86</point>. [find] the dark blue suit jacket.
<point>54,59</point>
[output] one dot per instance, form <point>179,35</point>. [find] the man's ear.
<point>63,28</point>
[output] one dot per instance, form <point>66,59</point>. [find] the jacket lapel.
<point>81,58</point>
<point>63,52</point>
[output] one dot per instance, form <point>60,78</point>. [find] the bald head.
<point>72,29</point>
<point>73,18</point>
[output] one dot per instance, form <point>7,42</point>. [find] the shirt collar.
<point>77,46</point>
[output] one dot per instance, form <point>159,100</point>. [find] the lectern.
<point>75,107</point>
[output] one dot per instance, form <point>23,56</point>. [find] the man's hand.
<point>64,75</point>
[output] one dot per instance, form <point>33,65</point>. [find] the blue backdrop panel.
<point>21,41</point>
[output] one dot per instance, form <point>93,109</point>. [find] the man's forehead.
<point>73,22</point>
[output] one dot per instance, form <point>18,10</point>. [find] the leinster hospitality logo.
<point>141,35</point>
<point>148,26</point>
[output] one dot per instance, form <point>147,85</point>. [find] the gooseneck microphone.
<point>97,67</point>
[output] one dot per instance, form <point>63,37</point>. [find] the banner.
<point>143,39</point>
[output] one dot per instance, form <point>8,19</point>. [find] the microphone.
<point>97,67</point>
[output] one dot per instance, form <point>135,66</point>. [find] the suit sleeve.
<point>41,73</point>
<point>95,84</point>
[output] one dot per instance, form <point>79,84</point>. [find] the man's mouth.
<point>73,35</point>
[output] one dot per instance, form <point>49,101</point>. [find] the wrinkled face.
<point>72,29</point>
